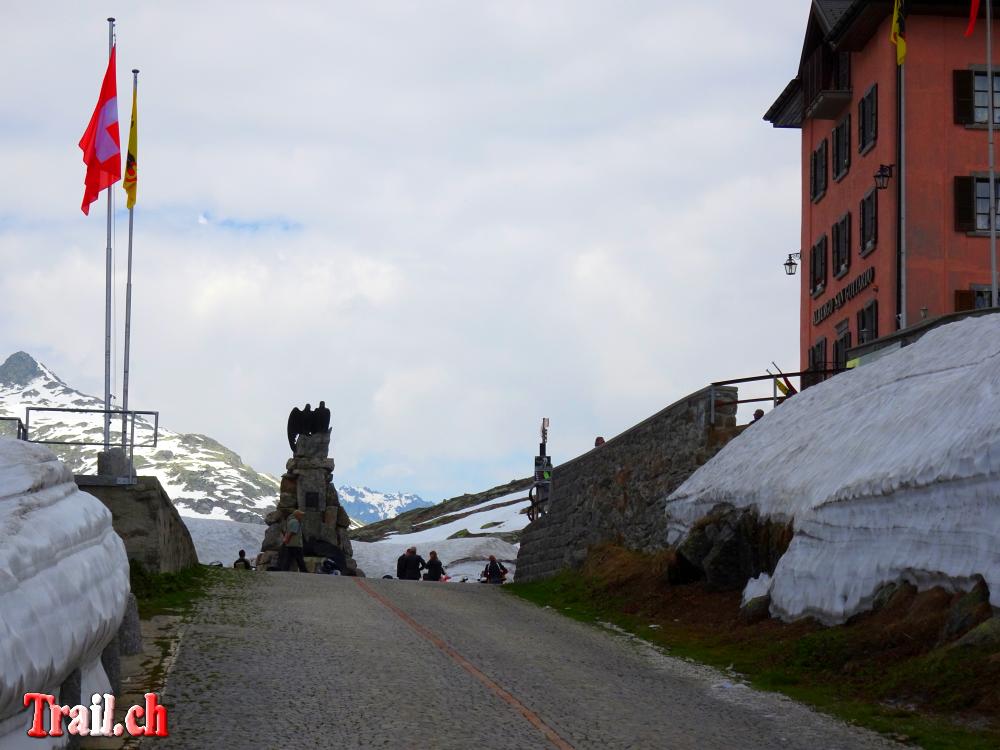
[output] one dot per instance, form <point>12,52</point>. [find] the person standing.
<point>291,543</point>
<point>435,568</point>
<point>494,572</point>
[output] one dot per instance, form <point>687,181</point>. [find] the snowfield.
<point>64,580</point>
<point>462,557</point>
<point>890,471</point>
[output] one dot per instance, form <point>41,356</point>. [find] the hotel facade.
<point>869,269</point>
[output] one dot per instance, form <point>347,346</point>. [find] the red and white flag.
<point>101,145</point>
<point>973,14</point>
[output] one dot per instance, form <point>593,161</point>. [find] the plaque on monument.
<point>312,500</point>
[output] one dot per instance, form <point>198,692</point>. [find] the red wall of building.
<point>939,259</point>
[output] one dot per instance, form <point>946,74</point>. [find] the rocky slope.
<point>450,511</point>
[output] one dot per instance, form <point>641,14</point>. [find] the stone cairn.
<point>307,485</point>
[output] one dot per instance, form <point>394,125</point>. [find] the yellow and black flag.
<point>897,34</point>
<point>131,174</point>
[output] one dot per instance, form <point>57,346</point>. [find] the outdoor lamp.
<point>790,264</point>
<point>883,175</point>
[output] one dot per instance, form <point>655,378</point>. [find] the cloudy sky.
<point>448,219</point>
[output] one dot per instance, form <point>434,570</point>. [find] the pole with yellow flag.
<point>130,183</point>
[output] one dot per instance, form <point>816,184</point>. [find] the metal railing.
<point>807,378</point>
<point>126,418</point>
<point>20,431</point>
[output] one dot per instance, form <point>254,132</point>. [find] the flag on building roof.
<point>131,178</point>
<point>973,15</point>
<point>897,34</point>
<point>101,145</point>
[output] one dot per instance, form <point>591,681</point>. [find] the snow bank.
<point>888,471</point>
<point>223,539</point>
<point>461,557</point>
<point>64,580</point>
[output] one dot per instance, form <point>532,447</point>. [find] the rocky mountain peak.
<point>19,369</point>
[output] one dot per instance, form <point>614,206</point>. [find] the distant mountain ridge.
<point>204,478</point>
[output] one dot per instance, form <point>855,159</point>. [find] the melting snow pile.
<point>63,583</point>
<point>890,471</point>
<point>462,556</point>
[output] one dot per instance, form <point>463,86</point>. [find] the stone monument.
<point>307,485</point>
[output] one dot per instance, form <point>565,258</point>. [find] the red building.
<point>857,270</point>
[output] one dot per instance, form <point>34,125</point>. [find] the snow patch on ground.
<point>64,579</point>
<point>217,539</point>
<point>889,471</point>
<point>507,518</point>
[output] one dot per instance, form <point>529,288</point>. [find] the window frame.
<point>818,171</point>
<point>840,241</point>
<point>840,160</point>
<point>868,220</point>
<point>868,313</point>
<point>868,120</point>
<point>817,279</point>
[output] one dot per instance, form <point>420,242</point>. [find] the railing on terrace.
<point>122,436</point>
<point>806,378</point>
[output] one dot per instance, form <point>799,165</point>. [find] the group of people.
<point>410,564</point>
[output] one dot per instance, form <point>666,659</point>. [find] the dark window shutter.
<point>812,175</point>
<point>962,85</point>
<point>812,268</point>
<point>873,323</point>
<point>847,143</point>
<point>874,216</point>
<point>873,113</point>
<point>846,239</point>
<point>965,204</point>
<point>965,299</point>
<point>822,258</point>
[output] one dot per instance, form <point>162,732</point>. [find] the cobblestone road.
<point>287,660</point>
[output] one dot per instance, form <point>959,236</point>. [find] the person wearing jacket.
<point>435,569</point>
<point>412,564</point>
<point>494,572</point>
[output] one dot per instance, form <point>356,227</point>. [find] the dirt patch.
<point>902,655</point>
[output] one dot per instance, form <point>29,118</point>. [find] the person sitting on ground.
<point>598,441</point>
<point>401,565</point>
<point>242,562</point>
<point>435,569</point>
<point>412,565</point>
<point>494,572</point>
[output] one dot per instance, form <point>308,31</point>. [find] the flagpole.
<point>994,298</point>
<point>107,296</point>
<point>902,195</point>
<point>128,290</point>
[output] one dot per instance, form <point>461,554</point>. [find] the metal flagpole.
<point>128,288</point>
<point>995,300</point>
<point>902,195</point>
<point>107,296</point>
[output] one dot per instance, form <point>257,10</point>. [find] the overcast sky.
<point>447,219</point>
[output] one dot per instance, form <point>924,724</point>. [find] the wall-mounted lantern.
<point>883,175</point>
<point>790,265</point>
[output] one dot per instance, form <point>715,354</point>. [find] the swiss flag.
<point>101,145</point>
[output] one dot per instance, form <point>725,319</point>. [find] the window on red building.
<point>841,236</point>
<point>972,203</point>
<point>869,222</point>
<point>971,97</point>
<point>868,322</point>
<point>817,355</point>
<point>842,344</point>
<point>817,172</point>
<point>868,119</point>
<point>981,101</point>
<point>817,266</point>
<point>842,148</point>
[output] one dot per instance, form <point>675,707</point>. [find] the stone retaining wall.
<point>616,493</point>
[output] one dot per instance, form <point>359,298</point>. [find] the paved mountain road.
<point>287,660</point>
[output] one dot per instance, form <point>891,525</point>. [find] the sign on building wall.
<point>849,292</point>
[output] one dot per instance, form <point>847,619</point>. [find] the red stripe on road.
<point>534,719</point>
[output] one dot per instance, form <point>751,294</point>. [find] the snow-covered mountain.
<point>204,478</point>
<point>368,506</point>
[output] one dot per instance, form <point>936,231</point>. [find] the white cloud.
<point>447,219</point>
